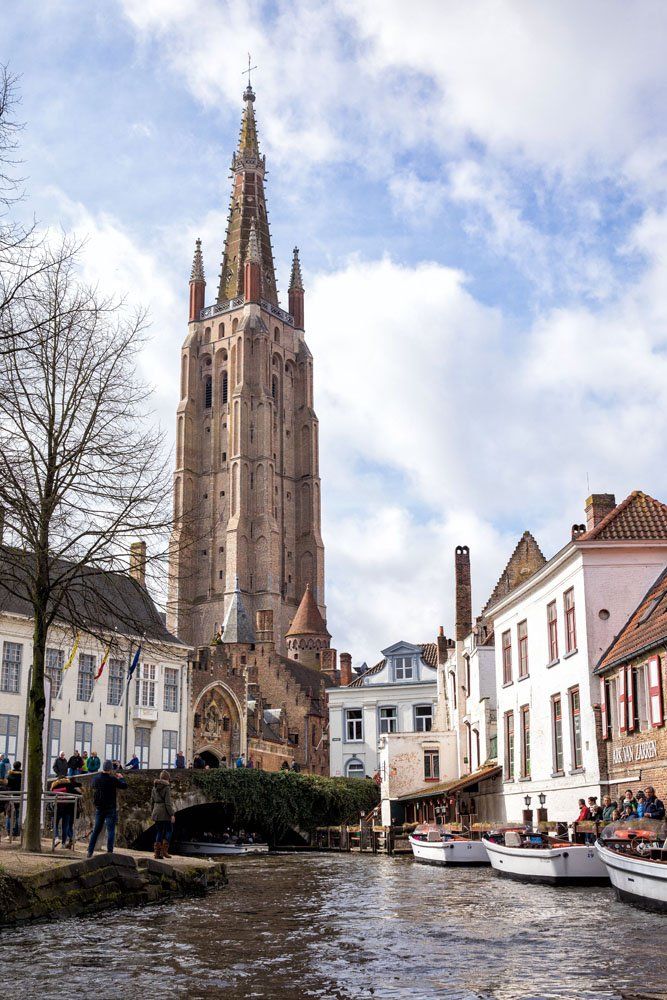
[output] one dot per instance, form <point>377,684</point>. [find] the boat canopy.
<point>636,829</point>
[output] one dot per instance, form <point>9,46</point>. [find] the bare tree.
<point>83,469</point>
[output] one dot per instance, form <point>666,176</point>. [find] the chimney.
<point>442,646</point>
<point>345,669</point>
<point>577,530</point>
<point>463,592</point>
<point>264,626</point>
<point>138,562</point>
<point>197,284</point>
<point>598,506</point>
<point>328,661</point>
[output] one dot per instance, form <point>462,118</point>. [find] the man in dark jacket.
<point>14,783</point>
<point>60,765</point>
<point>654,808</point>
<point>75,763</point>
<point>105,786</point>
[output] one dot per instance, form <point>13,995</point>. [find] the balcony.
<point>141,714</point>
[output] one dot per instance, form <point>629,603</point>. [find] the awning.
<point>449,787</point>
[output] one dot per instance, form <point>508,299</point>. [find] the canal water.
<point>348,927</point>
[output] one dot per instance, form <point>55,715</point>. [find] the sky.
<point>479,194</point>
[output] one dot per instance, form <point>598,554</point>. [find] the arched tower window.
<point>274,387</point>
<point>224,387</point>
<point>208,392</point>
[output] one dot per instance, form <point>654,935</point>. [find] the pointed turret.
<point>197,283</point>
<point>238,626</point>
<point>248,205</point>
<point>307,635</point>
<point>252,272</point>
<point>296,291</point>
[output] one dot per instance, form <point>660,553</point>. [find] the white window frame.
<point>54,661</point>
<point>9,735</point>
<point>55,726</point>
<point>115,680</point>
<point>423,717</point>
<point>169,748</point>
<point>382,720</point>
<point>113,750</point>
<point>85,680</point>
<point>146,685</point>
<point>354,724</point>
<point>12,660</point>
<point>432,754</point>
<point>171,686</point>
<point>404,668</point>
<point>83,737</point>
<point>356,765</point>
<point>142,749</point>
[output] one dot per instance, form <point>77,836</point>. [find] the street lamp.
<point>527,801</point>
<point>542,799</point>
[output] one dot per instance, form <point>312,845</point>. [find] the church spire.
<point>197,283</point>
<point>295,291</point>
<point>247,206</point>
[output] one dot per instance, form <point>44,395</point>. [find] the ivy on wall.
<point>276,802</point>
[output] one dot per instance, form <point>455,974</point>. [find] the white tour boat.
<point>634,853</point>
<point>215,848</point>
<point>533,858</point>
<point>431,845</point>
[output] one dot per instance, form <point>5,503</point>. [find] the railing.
<point>208,312</point>
<point>14,802</point>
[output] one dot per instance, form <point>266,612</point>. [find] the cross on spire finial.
<point>249,71</point>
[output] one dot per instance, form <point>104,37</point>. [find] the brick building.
<point>632,685</point>
<point>246,483</point>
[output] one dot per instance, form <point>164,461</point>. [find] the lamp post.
<point>541,812</point>
<point>528,812</point>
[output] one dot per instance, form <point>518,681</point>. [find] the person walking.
<point>180,760</point>
<point>105,788</point>
<point>14,784</point>
<point>93,763</point>
<point>240,761</point>
<point>60,765</point>
<point>75,764</point>
<point>63,812</point>
<point>654,808</point>
<point>163,814</point>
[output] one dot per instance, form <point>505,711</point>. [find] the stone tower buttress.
<point>246,484</point>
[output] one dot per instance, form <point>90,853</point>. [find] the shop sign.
<point>635,752</point>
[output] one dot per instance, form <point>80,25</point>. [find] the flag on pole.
<point>103,664</point>
<point>72,654</point>
<point>133,665</point>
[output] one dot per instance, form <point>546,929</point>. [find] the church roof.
<point>639,516</point>
<point>526,559</point>
<point>308,620</point>
<point>247,207</point>
<point>238,626</point>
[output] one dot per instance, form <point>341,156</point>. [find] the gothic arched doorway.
<point>217,726</point>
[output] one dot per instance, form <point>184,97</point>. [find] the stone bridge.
<point>272,804</point>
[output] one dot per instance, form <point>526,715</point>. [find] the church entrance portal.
<point>209,758</point>
<point>217,728</point>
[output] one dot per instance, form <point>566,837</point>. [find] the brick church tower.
<point>246,485</point>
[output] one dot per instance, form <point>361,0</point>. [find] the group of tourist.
<point>11,780</point>
<point>639,805</point>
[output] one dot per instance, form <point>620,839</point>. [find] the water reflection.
<point>344,927</point>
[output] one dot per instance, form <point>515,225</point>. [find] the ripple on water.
<point>344,927</point>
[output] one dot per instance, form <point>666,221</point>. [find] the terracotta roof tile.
<point>645,629</point>
<point>639,516</point>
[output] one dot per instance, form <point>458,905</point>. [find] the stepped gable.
<point>639,517</point>
<point>526,559</point>
<point>645,629</point>
<point>429,654</point>
<point>308,620</point>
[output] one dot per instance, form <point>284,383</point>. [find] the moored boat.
<point>634,853</point>
<point>213,848</point>
<point>431,845</point>
<point>537,858</point>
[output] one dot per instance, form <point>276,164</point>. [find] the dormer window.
<point>403,668</point>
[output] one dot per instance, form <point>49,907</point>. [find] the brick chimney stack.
<point>598,506</point>
<point>138,562</point>
<point>345,669</point>
<point>264,626</point>
<point>442,646</point>
<point>463,592</point>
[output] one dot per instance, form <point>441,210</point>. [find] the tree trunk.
<point>32,840</point>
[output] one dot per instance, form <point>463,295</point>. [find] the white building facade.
<point>550,632</point>
<point>397,696</point>
<point>90,706</point>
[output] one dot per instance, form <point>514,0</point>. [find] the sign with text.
<point>635,752</point>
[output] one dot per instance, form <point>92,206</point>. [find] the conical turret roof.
<point>308,620</point>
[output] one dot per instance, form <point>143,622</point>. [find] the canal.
<point>346,927</point>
